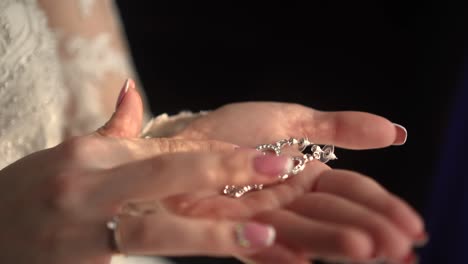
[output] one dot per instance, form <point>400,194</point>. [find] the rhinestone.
<point>299,162</point>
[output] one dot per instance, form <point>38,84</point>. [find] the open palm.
<point>321,212</point>
<point>254,123</point>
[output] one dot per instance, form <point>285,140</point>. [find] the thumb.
<point>126,122</point>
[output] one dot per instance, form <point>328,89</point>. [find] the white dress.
<point>37,80</point>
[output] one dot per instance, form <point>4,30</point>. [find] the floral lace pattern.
<point>36,83</point>
<point>82,79</point>
<point>31,93</point>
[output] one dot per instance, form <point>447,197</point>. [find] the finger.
<point>388,240</point>
<point>126,122</point>
<point>270,198</point>
<point>348,129</point>
<point>165,234</point>
<point>112,152</point>
<point>147,148</point>
<point>177,173</point>
<point>365,191</point>
<point>274,254</point>
<point>318,238</point>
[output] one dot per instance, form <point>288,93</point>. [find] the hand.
<point>55,203</point>
<point>291,198</point>
<point>250,124</point>
<point>321,213</point>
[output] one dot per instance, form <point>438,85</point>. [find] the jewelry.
<point>114,234</point>
<point>130,209</point>
<point>323,154</point>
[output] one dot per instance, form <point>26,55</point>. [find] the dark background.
<point>398,59</point>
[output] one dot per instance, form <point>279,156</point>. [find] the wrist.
<point>164,125</point>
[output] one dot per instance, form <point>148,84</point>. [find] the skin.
<point>63,196</point>
<point>395,225</point>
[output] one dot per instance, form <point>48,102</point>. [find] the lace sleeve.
<point>94,57</point>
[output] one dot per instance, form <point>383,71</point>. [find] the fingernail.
<point>375,259</point>
<point>422,240</point>
<point>273,165</point>
<point>380,260</point>
<point>411,258</point>
<point>253,235</point>
<point>123,91</point>
<point>401,135</point>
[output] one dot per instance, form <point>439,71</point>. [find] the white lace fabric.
<point>49,61</point>
<point>94,58</point>
<point>31,93</point>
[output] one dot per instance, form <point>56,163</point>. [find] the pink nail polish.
<point>272,165</point>
<point>123,92</point>
<point>421,240</point>
<point>411,258</point>
<point>254,235</point>
<point>401,135</point>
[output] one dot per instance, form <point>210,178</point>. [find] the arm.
<point>94,56</point>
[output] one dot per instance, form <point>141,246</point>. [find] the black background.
<point>398,59</point>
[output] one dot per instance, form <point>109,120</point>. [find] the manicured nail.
<point>123,91</point>
<point>411,258</point>
<point>380,260</point>
<point>375,258</point>
<point>272,165</point>
<point>253,235</point>
<point>401,135</point>
<point>421,240</point>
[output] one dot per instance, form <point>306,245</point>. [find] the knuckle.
<point>392,207</point>
<point>359,181</point>
<point>78,148</point>
<point>214,146</point>
<point>218,237</point>
<point>222,169</point>
<point>367,181</point>
<point>200,145</point>
<point>62,191</point>
<point>235,167</point>
<point>316,201</point>
<point>208,168</point>
<point>166,145</point>
<point>264,203</point>
<point>212,175</point>
<point>350,243</point>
